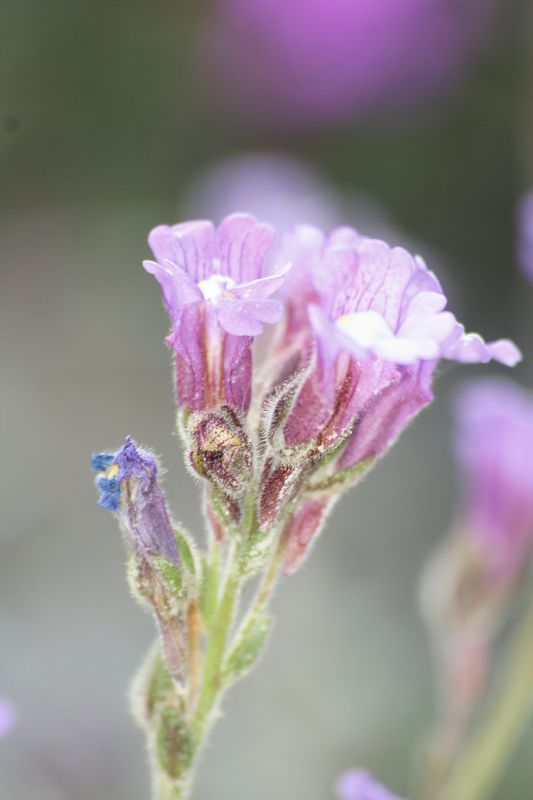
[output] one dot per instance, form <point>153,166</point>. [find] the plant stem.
<point>484,760</point>
<point>166,789</point>
<point>264,592</point>
<point>215,651</point>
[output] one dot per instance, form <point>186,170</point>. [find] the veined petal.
<point>425,304</point>
<point>242,244</point>
<point>177,288</point>
<point>469,348</point>
<point>262,287</point>
<point>237,317</point>
<point>190,245</point>
<point>505,351</point>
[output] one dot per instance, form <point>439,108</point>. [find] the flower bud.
<point>220,450</point>
<point>279,482</point>
<point>301,529</point>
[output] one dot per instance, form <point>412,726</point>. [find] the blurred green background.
<point>105,124</point>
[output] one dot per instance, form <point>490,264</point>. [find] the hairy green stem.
<point>264,592</point>
<point>484,760</point>
<point>214,655</point>
<point>223,583</point>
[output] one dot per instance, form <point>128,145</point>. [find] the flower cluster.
<point>347,368</point>
<point>276,424</point>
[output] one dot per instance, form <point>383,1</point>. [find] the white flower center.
<point>217,287</point>
<point>364,327</point>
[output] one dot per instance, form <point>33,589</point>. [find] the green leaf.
<point>186,552</point>
<point>248,648</point>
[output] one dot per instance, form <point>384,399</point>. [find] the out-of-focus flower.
<point>360,785</point>
<point>7,716</point>
<point>127,481</point>
<point>525,234</point>
<point>494,445</point>
<point>315,62</point>
<point>217,294</point>
<point>470,581</point>
<point>272,186</point>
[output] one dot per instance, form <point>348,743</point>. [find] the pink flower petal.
<point>242,244</point>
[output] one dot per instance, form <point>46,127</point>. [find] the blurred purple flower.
<point>272,186</point>
<point>494,446</point>
<point>360,785</point>
<point>525,234</point>
<point>314,62</point>
<point>127,481</point>
<point>7,716</point>
<point>217,294</point>
<point>376,329</point>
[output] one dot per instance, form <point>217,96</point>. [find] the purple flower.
<point>316,62</point>
<point>216,291</point>
<point>7,716</point>
<point>127,482</point>
<point>360,785</point>
<point>525,234</point>
<point>376,329</point>
<point>494,446</point>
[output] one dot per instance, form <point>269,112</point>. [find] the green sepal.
<point>186,552</point>
<point>343,479</point>
<point>220,505</point>
<point>171,575</point>
<point>248,648</point>
<point>174,743</point>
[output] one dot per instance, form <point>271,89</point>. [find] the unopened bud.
<point>220,450</point>
<point>279,482</point>
<point>301,529</point>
